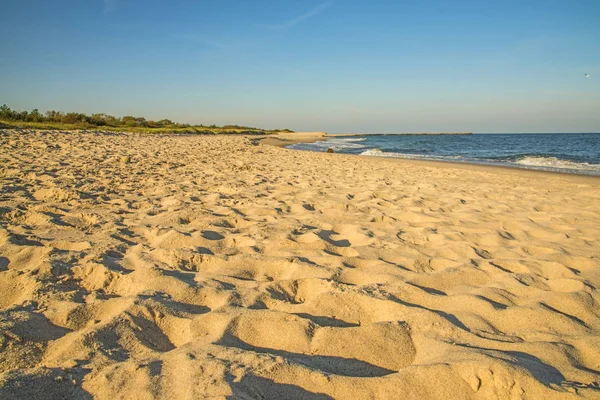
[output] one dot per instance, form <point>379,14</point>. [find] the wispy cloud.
<point>110,6</point>
<point>302,17</point>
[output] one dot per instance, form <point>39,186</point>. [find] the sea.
<point>575,153</point>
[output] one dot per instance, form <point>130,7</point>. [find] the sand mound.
<point>149,266</point>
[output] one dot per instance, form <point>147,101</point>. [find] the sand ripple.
<point>150,266</point>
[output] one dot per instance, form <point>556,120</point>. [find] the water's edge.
<point>531,152</point>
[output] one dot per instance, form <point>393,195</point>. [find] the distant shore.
<point>283,139</point>
<point>398,134</point>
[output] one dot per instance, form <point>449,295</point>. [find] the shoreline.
<point>399,134</point>
<point>289,140</point>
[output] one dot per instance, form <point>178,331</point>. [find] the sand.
<point>181,267</point>
<point>287,138</point>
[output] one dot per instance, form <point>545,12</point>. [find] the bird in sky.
<point>587,75</point>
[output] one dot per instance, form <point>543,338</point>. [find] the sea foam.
<point>554,162</point>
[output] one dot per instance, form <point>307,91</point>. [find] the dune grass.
<point>134,129</point>
<point>57,120</point>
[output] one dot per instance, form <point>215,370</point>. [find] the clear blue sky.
<point>338,65</point>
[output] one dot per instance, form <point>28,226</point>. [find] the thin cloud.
<point>315,11</point>
<point>110,6</point>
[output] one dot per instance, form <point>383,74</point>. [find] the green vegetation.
<point>56,120</point>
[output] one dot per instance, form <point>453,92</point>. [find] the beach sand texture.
<point>181,267</point>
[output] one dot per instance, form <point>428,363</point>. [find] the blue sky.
<point>336,65</point>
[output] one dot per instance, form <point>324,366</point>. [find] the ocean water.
<point>577,153</point>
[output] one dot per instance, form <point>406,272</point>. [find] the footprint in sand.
<point>361,351</point>
<point>4,264</point>
<point>212,235</point>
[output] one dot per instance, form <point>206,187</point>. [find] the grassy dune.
<point>57,120</point>
<point>135,129</point>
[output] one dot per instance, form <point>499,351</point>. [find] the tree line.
<point>98,120</point>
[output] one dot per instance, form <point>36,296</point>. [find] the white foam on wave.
<point>532,162</point>
<point>352,139</point>
<point>379,153</point>
<point>335,144</point>
<point>554,162</point>
<point>375,152</point>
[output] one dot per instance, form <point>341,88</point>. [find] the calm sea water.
<point>577,153</point>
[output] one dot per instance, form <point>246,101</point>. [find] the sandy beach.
<point>185,267</point>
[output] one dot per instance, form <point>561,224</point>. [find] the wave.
<point>337,145</point>
<point>554,162</point>
<point>352,139</point>
<point>343,143</point>
<point>378,153</point>
<point>547,163</point>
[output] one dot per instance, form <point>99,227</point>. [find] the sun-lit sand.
<point>184,267</point>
